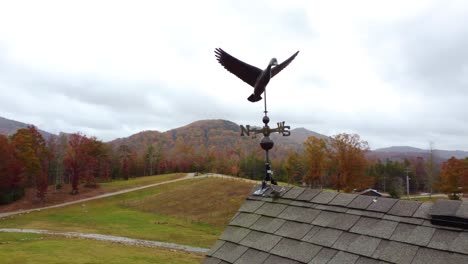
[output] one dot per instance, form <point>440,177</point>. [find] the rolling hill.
<point>9,127</point>
<point>220,134</point>
<point>225,135</point>
<point>400,152</point>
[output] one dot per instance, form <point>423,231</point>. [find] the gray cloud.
<point>394,79</point>
<point>427,52</point>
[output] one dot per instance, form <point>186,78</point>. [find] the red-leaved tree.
<point>11,182</point>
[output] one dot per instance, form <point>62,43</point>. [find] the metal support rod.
<point>264,101</point>
<point>267,170</point>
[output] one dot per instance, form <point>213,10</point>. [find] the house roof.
<point>313,226</point>
<point>372,192</point>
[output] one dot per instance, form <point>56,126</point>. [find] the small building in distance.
<point>372,192</point>
<point>313,226</point>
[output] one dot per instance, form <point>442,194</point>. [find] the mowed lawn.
<point>190,212</point>
<point>18,248</point>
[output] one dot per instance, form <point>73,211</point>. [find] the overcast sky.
<point>394,72</point>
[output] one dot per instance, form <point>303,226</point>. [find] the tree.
<point>150,157</point>
<point>430,168</point>
<point>125,156</point>
<point>347,153</point>
<point>454,178</point>
<point>251,166</point>
<point>31,150</point>
<point>419,179</point>
<point>11,182</point>
<point>294,167</point>
<point>57,146</point>
<point>316,160</point>
<point>85,159</point>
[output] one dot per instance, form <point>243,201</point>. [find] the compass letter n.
<point>245,130</point>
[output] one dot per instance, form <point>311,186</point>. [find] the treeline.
<point>340,163</point>
<point>27,160</point>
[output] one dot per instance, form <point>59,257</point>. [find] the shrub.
<point>9,195</point>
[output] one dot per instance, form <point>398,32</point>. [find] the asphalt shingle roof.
<point>320,227</point>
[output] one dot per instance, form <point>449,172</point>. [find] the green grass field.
<point>18,248</point>
<point>425,199</point>
<point>190,212</point>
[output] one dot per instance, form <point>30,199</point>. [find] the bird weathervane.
<point>252,75</point>
<point>258,79</point>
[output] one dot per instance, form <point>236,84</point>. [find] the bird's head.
<point>273,62</point>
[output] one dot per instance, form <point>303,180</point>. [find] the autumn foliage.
<point>31,151</point>
<point>10,173</point>
<point>317,159</point>
<point>27,160</point>
<point>454,177</point>
<point>85,160</point>
<point>347,153</point>
<point>339,162</point>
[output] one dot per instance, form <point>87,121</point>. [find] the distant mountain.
<point>220,134</point>
<point>9,127</point>
<point>404,149</point>
<point>199,134</point>
<point>297,138</point>
<point>225,135</point>
<point>401,152</point>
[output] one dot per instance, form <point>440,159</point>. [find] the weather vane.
<point>258,79</point>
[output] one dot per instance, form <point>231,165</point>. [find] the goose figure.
<point>252,75</point>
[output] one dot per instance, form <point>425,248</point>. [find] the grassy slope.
<point>191,212</point>
<point>17,248</point>
<point>63,195</point>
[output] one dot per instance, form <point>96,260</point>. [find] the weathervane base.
<point>266,190</point>
<point>260,191</point>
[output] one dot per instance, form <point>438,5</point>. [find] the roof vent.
<point>450,213</point>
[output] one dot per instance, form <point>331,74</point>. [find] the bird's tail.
<point>254,98</point>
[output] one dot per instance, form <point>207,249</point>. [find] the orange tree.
<point>316,159</point>
<point>454,177</point>
<point>347,155</point>
<point>31,151</point>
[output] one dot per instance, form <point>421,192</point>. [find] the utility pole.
<point>431,166</point>
<point>407,182</point>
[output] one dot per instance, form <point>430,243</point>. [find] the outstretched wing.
<point>244,71</point>
<point>283,65</point>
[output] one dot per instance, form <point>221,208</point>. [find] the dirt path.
<point>113,239</point>
<point>2,215</point>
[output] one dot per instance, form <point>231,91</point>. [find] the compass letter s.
<point>284,130</point>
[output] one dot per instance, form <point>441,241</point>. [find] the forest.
<point>27,160</point>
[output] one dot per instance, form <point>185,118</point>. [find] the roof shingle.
<point>261,241</point>
<point>313,226</point>
<point>296,250</point>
